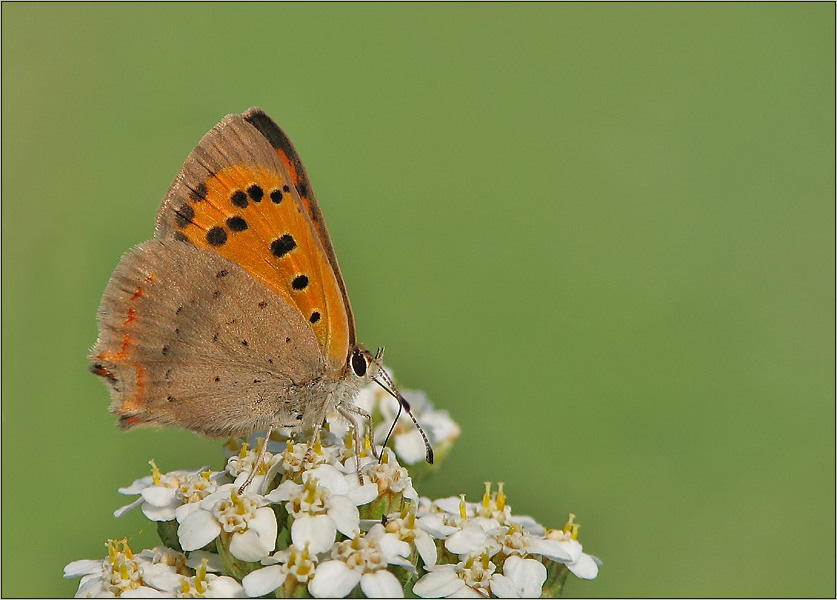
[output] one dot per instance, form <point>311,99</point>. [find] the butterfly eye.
<point>358,363</point>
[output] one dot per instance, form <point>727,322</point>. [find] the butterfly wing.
<point>235,197</point>
<point>284,148</point>
<point>183,331</point>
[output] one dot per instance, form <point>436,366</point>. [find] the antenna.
<point>403,404</point>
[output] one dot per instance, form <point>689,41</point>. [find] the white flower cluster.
<point>310,529</point>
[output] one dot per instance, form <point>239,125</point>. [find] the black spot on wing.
<point>198,193</point>
<point>184,215</point>
<point>236,224</point>
<point>239,199</point>
<point>282,245</point>
<point>255,192</point>
<point>216,236</point>
<point>300,282</point>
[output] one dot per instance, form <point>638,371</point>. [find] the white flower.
<point>362,560</point>
<point>406,528</point>
<point>125,574</point>
<point>468,533</point>
<point>241,464</point>
<point>392,478</point>
<point>472,539</point>
<point>250,524</point>
<point>209,585</point>
<point>495,553</point>
<point>162,493</point>
<point>317,513</point>
<point>468,578</point>
<point>521,578</point>
<point>342,483</point>
<point>516,540</point>
<point>297,564</point>
<point>580,564</point>
<point>324,451</point>
<point>214,563</point>
<point>490,513</point>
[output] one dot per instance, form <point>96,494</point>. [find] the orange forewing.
<point>254,217</point>
<point>284,148</point>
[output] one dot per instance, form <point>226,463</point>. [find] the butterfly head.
<point>362,365</point>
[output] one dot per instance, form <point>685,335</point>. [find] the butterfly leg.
<point>259,460</point>
<point>346,413</point>
<point>318,424</point>
<point>361,413</point>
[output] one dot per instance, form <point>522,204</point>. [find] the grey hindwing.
<point>189,338</point>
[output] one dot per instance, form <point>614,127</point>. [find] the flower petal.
<point>264,523</point>
<point>197,530</point>
<point>249,546</point>
<point>449,504</point>
<point>145,592</point>
<point>426,548</point>
<point>529,524</point>
<point>137,486</point>
<point>363,494</point>
<point>159,496</point>
<point>522,578</point>
<point>319,531</point>
<point>224,587</point>
<point>159,513</point>
<point>466,592</point>
<point>391,546</point>
<point>214,564</point>
<point>441,581</point>
<point>270,475</point>
<point>77,568</point>
<point>504,587</point>
<point>409,446</point>
<point>123,509</point>
<point>345,515</point>
<point>284,491</point>
<point>435,526</point>
<point>552,549</point>
<point>468,540</point>
<point>161,577</point>
<point>333,579</point>
<point>184,510</point>
<point>585,567</point>
<point>263,581</point>
<point>91,588</point>
<point>330,478</point>
<point>381,584</point>
<point>411,494</point>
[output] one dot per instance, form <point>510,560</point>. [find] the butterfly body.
<point>234,317</point>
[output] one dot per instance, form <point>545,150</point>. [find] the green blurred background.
<point>601,236</point>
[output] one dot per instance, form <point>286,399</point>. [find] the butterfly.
<point>235,318</point>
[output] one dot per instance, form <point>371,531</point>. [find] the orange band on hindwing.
<point>122,356</point>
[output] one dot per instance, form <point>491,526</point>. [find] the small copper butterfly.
<point>234,317</point>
